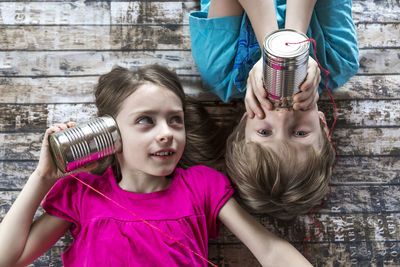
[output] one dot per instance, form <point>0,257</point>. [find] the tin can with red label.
<point>285,65</point>
<point>77,146</point>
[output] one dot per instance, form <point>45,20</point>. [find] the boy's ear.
<point>323,120</point>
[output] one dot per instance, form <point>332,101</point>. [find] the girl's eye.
<point>264,132</point>
<point>144,120</point>
<point>300,133</point>
<point>176,120</point>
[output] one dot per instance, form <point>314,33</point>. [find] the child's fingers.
<point>313,76</point>
<point>307,103</point>
<point>252,105</point>
<point>71,124</point>
<point>302,96</point>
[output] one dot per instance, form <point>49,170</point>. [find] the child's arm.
<point>298,14</point>
<point>22,241</point>
<point>269,249</point>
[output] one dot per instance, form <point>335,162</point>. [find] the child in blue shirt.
<point>280,160</point>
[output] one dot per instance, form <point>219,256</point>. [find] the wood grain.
<point>73,63</point>
<point>95,12</point>
<point>145,37</point>
<point>80,89</point>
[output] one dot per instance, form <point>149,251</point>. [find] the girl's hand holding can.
<point>46,168</point>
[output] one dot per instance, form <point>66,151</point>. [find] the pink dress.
<point>107,235</point>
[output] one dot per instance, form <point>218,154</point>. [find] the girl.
<point>159,215</point>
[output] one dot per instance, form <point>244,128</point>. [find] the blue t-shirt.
<point>225,49</point>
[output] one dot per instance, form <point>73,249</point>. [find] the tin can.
<point>77,146</point>
<point>285,65</point>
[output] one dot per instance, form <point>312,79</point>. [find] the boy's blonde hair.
<point>282,186</point>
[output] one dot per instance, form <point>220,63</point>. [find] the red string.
<point>310,214</point>
<point>141,219</point>
<point>326,79</point>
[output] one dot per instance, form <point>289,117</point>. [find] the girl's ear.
<point>323,121</point>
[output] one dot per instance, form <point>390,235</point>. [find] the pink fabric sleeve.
<point>63,201</point>
<point>218,190</point>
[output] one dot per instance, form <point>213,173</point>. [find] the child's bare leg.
<point>224,8</point>
<point>262,16</point>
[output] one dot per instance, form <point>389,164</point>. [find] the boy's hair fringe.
<point>266,184</point>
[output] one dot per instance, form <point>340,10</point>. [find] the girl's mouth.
<point>162,154</point>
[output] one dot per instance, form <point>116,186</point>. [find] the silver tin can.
<point>285,65</point>
<point>77,146</point>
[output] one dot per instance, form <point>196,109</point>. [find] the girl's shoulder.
<point>201,170</point>
<point>203,177</point>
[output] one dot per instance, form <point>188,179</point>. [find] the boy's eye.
<point>300,133</point>
<point>176,120</point>
<point>264,132</point>
<point>144,120</point>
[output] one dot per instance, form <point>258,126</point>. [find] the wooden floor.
<point>51,54</point>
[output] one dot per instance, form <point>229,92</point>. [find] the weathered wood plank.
<point>336,228</point>
<point>376,61</point>
<point>145,37</point>
<point>79,89</point>
<point>16,117</point>
<point>364,113</point>
<point>378,35</point>
<point>47,90</point>
<point>14,174</point>
<point>349,171</point>
<point>350,141</point>
<point>366,170</point>
<point>375,10</point>
<point>363,199</point>
<point>26,63</point>
<point>91,63</point>
<point>367,87</point>
<point>95,38</point>
<point>364,141</point>
<point>321,254</point>
<point>96,12</point>
<point>104,12</point>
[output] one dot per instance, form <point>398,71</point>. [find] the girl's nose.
<point>165,134</point>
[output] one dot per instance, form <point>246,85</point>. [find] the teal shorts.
<point>224,58</point>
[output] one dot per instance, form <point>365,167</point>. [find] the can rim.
<point>302,48</point>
